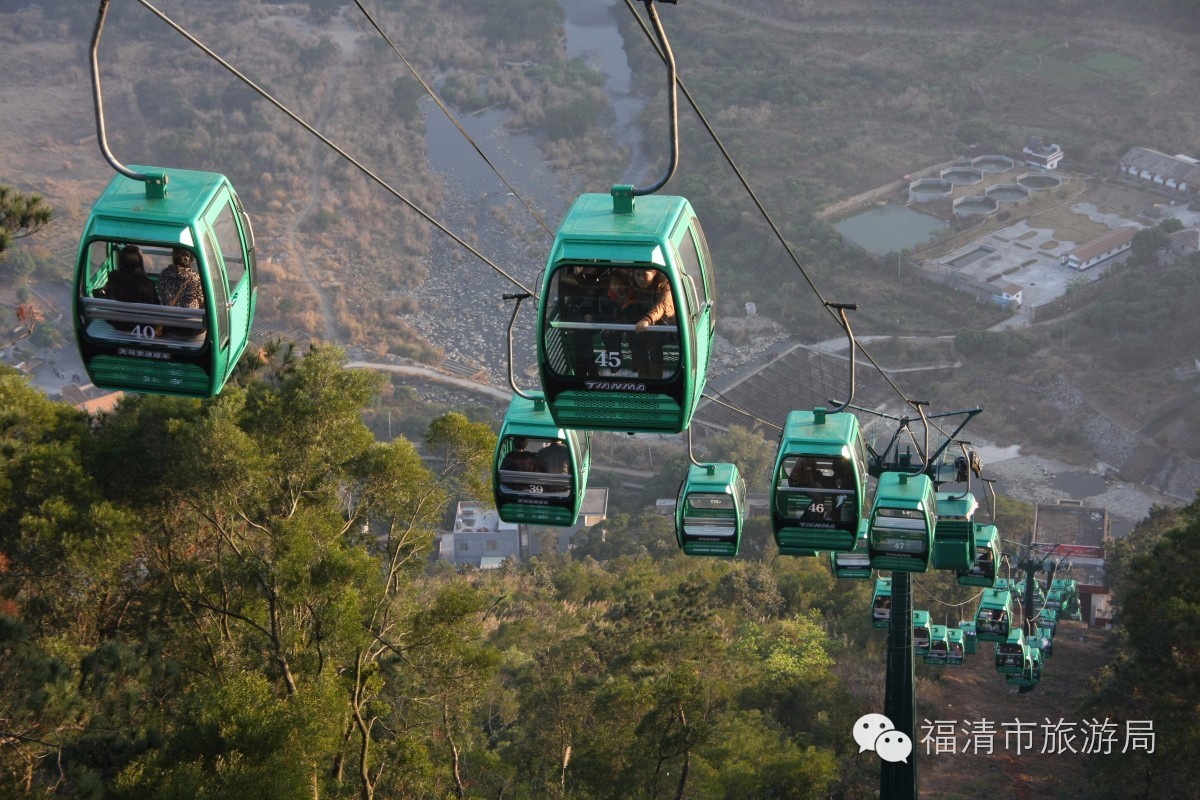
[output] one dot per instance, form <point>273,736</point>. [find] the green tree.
<point>21,215</point>
<point>1154,676</point>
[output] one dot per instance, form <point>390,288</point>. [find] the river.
<point>479,207</point>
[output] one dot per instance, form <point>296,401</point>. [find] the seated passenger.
<point>129,283</point>
<point>656,305</point>
<point>519,460</point>
<point>179,285</point>
<point>554,458</point>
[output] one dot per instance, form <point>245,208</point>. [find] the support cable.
<point>358,165</point>
<point>766,216</point>
<point>450,116</point>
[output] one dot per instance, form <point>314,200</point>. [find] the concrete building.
<point>479,539</point>
<point>1042,154</point>
<point>1184,243</point>
<point>1078,534</point>
<point>1179,174</point>
<point>1100,249</point>
<point>482,540</point>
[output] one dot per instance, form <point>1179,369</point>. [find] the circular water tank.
<point>923,190</point>
<point>962,176</point>
<point>974,205</point>
<point>751,310</point>
<point>1007,193</point>
<point>1039,181</point>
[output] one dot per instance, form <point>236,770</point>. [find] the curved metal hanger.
<point>520,297</point>
<point>672,105</point>
<point>711,468</point>
<point>156,185</point>
<point>841,309</point>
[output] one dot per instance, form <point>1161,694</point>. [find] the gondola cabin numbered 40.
<point>165,286</point>
<point>625,316</point>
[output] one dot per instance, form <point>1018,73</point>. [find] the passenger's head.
<point>520,442</point>
<point>130,259</point>
<point>182,257</point>
<point>644,277</point>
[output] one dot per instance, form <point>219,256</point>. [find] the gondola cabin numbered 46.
<point>625,316</point>
<point>819,485</point>
<point>165,285</point>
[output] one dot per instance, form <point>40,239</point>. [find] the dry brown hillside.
<point>976,692</point>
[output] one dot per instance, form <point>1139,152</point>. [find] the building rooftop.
<point>1161,164</point>
<point>1114,238</point>
<point>472,517</point>
<point>1071,524</point>
<point>1188,237</point>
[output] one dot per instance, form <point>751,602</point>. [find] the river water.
<point>592,35</point>
<point>461,309</point>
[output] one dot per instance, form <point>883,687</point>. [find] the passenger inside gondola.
<point>518,459</point>
<point>996,621</point>
<point>822,492</point>
<point>179,285</point>
<point>554,458</point>
<point>129,283</point>
<point>883,608</point>
<point>984,566</point>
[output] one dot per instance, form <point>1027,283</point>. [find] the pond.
<point>890,229</point>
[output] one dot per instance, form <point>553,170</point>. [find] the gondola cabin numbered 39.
<point>625,316</point>
<point>541,470</point>
<point>165,285</point>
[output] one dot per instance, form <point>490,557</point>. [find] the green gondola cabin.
<point>820,483</point>
<point>954,536</point>
<point>881,603</point>
<point>625,318</point>
<point>709,511</point>
<point>1012,654</point>
<point>956,650</point>
<point>994,617</point>
<point>855,564</point>
<point>969,636</point>
<point>540,471</point>
<point>987,555</point>
<point>920,632</point>
<point>157,344</point>
<point>902,522</point>
<point>939,646</point>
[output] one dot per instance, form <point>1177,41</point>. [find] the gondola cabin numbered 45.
<point>625,317</point>
<point>165,285</point>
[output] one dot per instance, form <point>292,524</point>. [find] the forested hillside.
<point>233,599</point>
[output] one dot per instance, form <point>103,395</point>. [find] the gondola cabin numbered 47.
<point>902,522</point>
<point>165,285</point>
<point>625,316</point>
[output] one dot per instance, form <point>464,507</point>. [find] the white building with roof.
<point>1100,249</point>
<point>1177,173</point>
